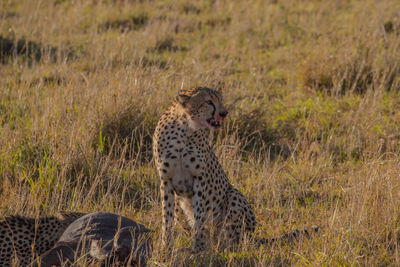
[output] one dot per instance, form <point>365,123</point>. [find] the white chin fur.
<point>195,125</point>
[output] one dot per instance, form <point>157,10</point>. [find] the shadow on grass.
<point>99,178</point>
<point>130,23</point>
<point>255,135</point>
<point>167,45</point>
<point>149,61</point>
<point>31,51</point>
<point>358,74</point>
<point>127,134</point>
<point>191,9</point>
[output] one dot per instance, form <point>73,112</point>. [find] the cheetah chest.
<point>189,166</point>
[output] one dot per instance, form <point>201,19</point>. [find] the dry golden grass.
<point>313,90</point>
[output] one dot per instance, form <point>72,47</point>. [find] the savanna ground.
<point>313,90</point>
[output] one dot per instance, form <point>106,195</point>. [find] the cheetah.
<point>192,179</point>
<point>25,238</point>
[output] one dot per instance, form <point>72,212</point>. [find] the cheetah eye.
<point>210,103</point>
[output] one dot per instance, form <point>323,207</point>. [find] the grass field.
<point>313,90</point>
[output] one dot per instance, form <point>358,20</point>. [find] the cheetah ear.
<point>218,87</point>
<point>72,216</point>
<point>182,99</point>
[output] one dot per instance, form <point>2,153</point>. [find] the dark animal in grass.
<point>23,238</point>
<point>105,238</point>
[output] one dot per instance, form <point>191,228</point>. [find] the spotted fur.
<point>22,238</point>
<point>192,178</point>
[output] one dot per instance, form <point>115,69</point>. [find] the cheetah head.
<point>204,107</point>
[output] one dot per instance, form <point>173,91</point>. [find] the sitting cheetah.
<point>191,175</point>
<point>25,238</point>
<point>192,179</point>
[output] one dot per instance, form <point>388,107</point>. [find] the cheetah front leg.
<point>184,213</point>
<point>168,202</point>
<point>200,218</point>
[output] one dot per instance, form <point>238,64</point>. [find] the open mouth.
<point>214,124</point>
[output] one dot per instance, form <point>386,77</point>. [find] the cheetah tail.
<point>291,237</point>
